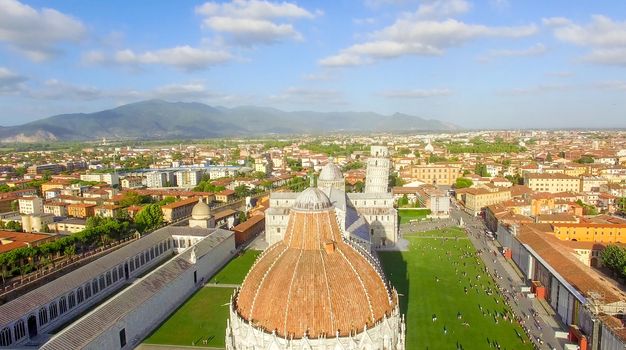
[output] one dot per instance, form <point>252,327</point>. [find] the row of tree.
<point>98,232</point>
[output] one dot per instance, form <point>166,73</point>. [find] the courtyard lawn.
<point>450,232</point>
<point>429,278</point>
<point>406,215</point>
<point>235,271</point>
<point>201,317</point>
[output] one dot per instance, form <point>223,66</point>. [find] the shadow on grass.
<point>395,269</point>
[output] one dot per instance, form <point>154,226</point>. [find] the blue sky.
<point>479,64</point>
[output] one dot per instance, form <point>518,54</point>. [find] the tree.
<point>395,180</point>
<point>148,218</point>
<point>133,198</point>
<point>481,170</point>
<point>463,182</point>
<point>614,258</point>
<point>242,191</point>
<point>359,186</point>
<point>13,226</point>
<point>15,206</point>
<point>403,201</point>
<point>549,157</point>
<point>242,217</point>
<point>584,160</point>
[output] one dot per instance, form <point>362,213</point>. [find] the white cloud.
<point>10,82</point>
<point>416,94</point>
<point>252,22</point>
<point>535,50</point>
<point>364,21</point>
<point>612,85</point>
<point>185,91</point>
<point>537,89</point>
<point>324,76</point>
<point>442,8</point>
<point>422,38</point>
<point>57,90</point>
<point>182,57</point>
<point>606,38</point>
<point>38,34</point>
<point>614,56</point>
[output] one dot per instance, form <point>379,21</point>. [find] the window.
<point>54,311</point>
<point>87,291</point>
<point>114,275</point>
<point>123,338</point>
<point>94,286</point>
<point>43,316</point>
<point>19,329</point>
<point>151,253</point>
<point>71,300</point>
<point>79,295</point>
<point>120,271</point>
<point>5,337</point>
<point>62,305</point>
<point>132,265</point>
<point>143,260</point>
<point>108,277</point>
<point>101,283</point>
<point>137,262</point>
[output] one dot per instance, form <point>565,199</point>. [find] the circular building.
<point>315,290</point>
<point>331,177</point>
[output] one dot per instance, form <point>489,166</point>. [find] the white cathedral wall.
<point>387,334</point>
<point>141,321</point>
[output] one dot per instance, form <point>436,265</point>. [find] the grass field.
<point>235,271</point>
<point>406,215</point>
<point>203,316</point>
<point>451,232</point>
<point>414,274</point>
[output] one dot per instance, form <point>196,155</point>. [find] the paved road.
<point>538,323</point>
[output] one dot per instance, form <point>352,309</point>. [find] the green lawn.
<point>203,316</point>
<point>414,274</point>
<point>235,271</point>
<point>406,215</point>
<point>451,232</point>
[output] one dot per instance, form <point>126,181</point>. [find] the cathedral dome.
<point>313,284</point>
<point>331,172</point>
<point>201,211</point>
<point>312,199</point>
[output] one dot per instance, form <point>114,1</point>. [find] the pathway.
<point>221,285</point>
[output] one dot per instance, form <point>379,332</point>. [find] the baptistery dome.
<point>314,289</point>
<point>331,177</point>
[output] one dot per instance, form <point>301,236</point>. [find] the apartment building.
<point>552,183</point>
<point>31,205</point>
<point>435,174</point>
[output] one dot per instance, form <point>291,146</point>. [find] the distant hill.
<point>157,119</point>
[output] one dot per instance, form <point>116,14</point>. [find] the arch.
<point>62,305</point>
<point>19,329</point>
<point>87,290</point>
<point>43,316</point>
<point>53,310</point>
<point>80,296</point>
<point>71,300</point>
<point>32,326</point>
<point>94,286</point>
<point>5,337</point>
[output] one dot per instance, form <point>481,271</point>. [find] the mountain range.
<point>158,119</point>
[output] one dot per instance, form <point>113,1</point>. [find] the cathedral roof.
<point>201,211</point>
<point>312,199</point>
<point>313,283</point>
<point>331,172</point>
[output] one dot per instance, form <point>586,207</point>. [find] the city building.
<point>31,205</point>
<point>435,174</point>
<point>552,183</point>
<point>365,217</point>
<point>188,178</point>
